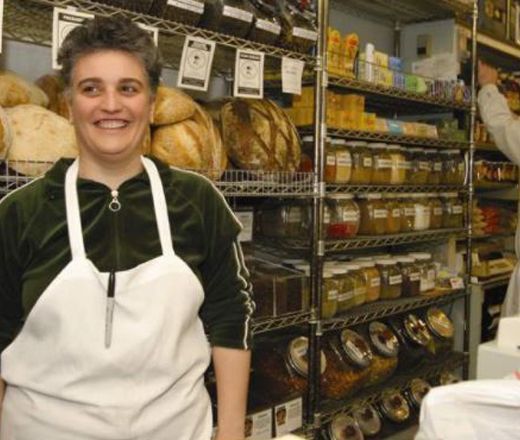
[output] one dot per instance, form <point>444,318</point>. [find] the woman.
<point>505,129</point>
<point>111,269</point>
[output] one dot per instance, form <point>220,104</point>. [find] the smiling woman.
<point>106,299</point>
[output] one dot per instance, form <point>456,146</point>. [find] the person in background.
<point>113,267</point>
<point>504,127</point>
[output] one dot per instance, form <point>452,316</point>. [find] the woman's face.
<point>111,105</point>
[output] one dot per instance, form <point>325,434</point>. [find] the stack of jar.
<point>383,277</point>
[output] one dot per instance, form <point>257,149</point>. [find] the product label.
<point>331,159</point>
<point>258,426</point>
<point>268,26</point>
<point>424,166</point>
<point>354,349</point>
<point>431,275</point>
<point>383,164</point>
<point>249,74</point>
<point>350,216</point>
<point>457,209</point>
<point>239,14</point>
<point>396,213</point>
<point>375,282</point>
<point>380,213</point>
<point>292,73</point>
<point>188,5</point>
<point>414,276</point>
<point>326,217</point>
<point>409,212</point>
<point>332,295</point>
<point>344,159</point>
<point>457,283</point>
<point>367,162</point>
<point>306,34</point>
<point>437,211</point>
<point>360,291</point>
<point>196,63</point>
<point>437,166</point>
<point>246,219</point>
<point>404,165</point>
<point>394,280</point>
<point>295,216</point>
<point>345,296</point>
<point>288,417</point>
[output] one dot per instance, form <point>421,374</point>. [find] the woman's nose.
<point>111,101</point>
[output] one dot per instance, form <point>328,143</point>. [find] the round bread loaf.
<point>54,88</point>
<point>39,138</point>
<point>5,134</point>
<point>194,143</point>
<point>14,90</point>
<point>172,106</point>
<point>260,136</point>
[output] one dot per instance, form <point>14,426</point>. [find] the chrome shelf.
<point>495,281</point>
<point>263,325</point>
<point>384,309</point>
<point>361,189</point>
<point>399,382</point>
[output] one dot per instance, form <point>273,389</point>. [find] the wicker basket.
<point>182,11</point>
<point>142,6</point>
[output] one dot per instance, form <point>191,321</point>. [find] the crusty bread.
<point>171,106</point>
<point>14,90</point>
<point>54,88</point>
<point>5,134</point>
<point>39,136</point>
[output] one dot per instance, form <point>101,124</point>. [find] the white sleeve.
<point>500,122</point>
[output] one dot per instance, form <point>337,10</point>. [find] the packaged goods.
<point>182,11</point>
<point>411,274</point>
<point>233,17</point>
<point>407,215</point>
<point>374,215</point>
<point>385,349</point>
<point>368,420</point>
<point>171,106</point>
<point>453,211</point>
<point>298,31</point>
<point>393,206</point>
<point>416,392</point>
<point>344,427</point>
<point>334,52</point>
<point>267,26</point>
<point>394,407</point>
<point>349,52</point>
<point>436,211</point>
<point>283,220</point>
<point>382,164</point>
<point>391,279</point>
<point>343,161</point>
<point>359,281</point>
<point>442,330</point>
<point>372,279</point>
<point>362,163</point>
<point>347,289</point>
<point>414,339</point>
<point>344,216</point>
<point>330,291</point>
<point>428,270</point>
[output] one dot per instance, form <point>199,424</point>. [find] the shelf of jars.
<point>31,21</point>
<point>494,186</point>
<point>399,382</point>
<point>384,309</point>
<point>393,189</point>
<point>264,325</point>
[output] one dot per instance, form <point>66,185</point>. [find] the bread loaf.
<point>39,136</point>
<point>5,134</point>
<point>54,88</point>
<point>194,143</point>
<point>14,90</point>
<point>171,106</point>
<point>260,136</point>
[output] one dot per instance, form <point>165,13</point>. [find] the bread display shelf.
<point>264,325</point>
<point>396,189</point>
<point>384,309</point>
<point>400,382</point>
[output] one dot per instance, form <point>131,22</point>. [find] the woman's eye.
<point>129,89</point>
<point>90,90</point>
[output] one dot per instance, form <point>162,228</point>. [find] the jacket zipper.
<point>114,206</point>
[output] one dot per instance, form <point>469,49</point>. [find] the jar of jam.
<point>330,162</point>
<point>422,212</point>
<point>414,338</point>
<point>417,392</point>
<point>344,427</point>
<point>411,276</point>
<point>344,216</point>
<point>428,270</point>
<point>442,330</point>
<point>346,296</point>
<point>393,206</point>
<point>436,177</point>
<point>329,300</point>
<point>374,215</point>
<point>362,163</point>
<point>393,407</point>
<point>348,359</point>
<point>453,211</point>
<point>368,420</point>
<point>382,164</point>
<point>360,285</point>
<point>385,349</point>
<point>372,279</point>
<point>343,161</point>
<point>398,174</point>
<point>436,211</point>
<point>407,214</point>
<point>391,279</point>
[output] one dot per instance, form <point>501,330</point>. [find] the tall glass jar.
<point>372,279</point>
<point>407,214</point>
<point>453,211</point>
<point>362,163</point>
<point>344,216</point>
<point>407,164</point>
<point>428,270</point>
<point>411,275</point>
<point>329,299</point>
<point>398,174</point>
<point>382,164</point>
<point>435,159</point>
<point>346,297</point>
<point>436,211</point>
<point>422,212</point>
<point>420,166</point>
<point>360,283</point>
<point>330,162</point>
<point>374,215</point>
<point>393,207</point>
<point>385,349</point>
<point>391,279</point>
<point>343,161</point>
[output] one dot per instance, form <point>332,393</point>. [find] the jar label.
<point>331,159</point>
<point>380,213</point>
<point>306,34</point>
<point>437,166</point>
<point>350,216</point>
<point>295,216</point>
<point>360,291</point>
<point>375,282</point>
<point>326,217</point>
<point>424,166</point>
<point>345,296</point>
<point>437,211</point>
<point>457,209</point>
<point>239,14</point>
<point>396,213</point>
<point>431,275</point>
<point>268,26</point>
<point>409,212</point>
<point>414,276</point>
<point>367,162</point>
<point>332,295</point>
<point>461,167</point>
<point>382,164</point>
<point>395,279</point>
<point>188,5</point>
<point>406,165</point>
<point>344,159</point>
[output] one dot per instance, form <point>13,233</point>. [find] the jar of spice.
<point>442,330</point>
<point>344,216</point>
<point>436,211</point>
<point>393,206</point>
<point>385,349</point>
<point>391,279</point>
<point>330,291</point>
<point>414,338</point>
<point>398,174</point>
<point>362,163</point>
<point>407,214</point>
<point>368,420</point>
<point>374,215</point>
<point>360,284</point>
<point>422,212</point>
<point>393,407</point>
<point>343,161</point>
<point>344,427</point>
<point>372,279</point>
<point>382,164</point>
<point>411,276</point>
<point>416,392</point>
<point>428,270</point>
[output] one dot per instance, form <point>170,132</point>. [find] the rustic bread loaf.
<point>14,90</point>
<point>5,134</point>
<point>171,106</point>
<point>54,88</point>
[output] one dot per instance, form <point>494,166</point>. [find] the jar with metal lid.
<point>368,420</point>
<point>398,173</point>
<point>330,162</point>
<point>298,30</point>
<point>282,220</point>
<point>233,17</point>
<point>453,211</point>
<point>393,206</point>
<point>411,275</point>
<point>266,27</point>
<point>407,214</point>
<point>344,427</point>
<point>394,407</point>
<point>360,284</point>
<point>374,214</point>
<point>329,299</point>
<point>282,366</point>
<point>343,161</point>
<point>414,338</point>
<point>391,279</point>
<point>344,216</point>
<point>348,359</point>
<point>385,350</point>
<point>416,392</point>
<point>382,164</point>
<point>422,212</point>
<point>436,219</point>
<point>346,294</point>
<point>362,163</point>
<point>442,330</point>
<point>420,166</point>
<point>372,279</point>
<point>435,177</point>
<point>428,270</point>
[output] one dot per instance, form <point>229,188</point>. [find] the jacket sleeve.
<point>500,122</point>
<point>228,304</point>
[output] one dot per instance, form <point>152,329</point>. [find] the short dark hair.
<point>110,33</point>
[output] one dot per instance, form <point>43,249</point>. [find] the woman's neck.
<point>109,173</point>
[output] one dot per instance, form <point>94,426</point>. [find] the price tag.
<point>258,426</point>
<point>292,73</point>
<point>457,283</point>
<point>1,23</point>
<point>196,63</point>
<point>63,21</point>
<point>249,74</point>
<point>246,218</point>
<point>288,417</point>
<point>153,31</point>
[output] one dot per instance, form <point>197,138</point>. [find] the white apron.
<point>511,305</point>
<point>65,384</point>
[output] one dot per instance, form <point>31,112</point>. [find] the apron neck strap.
<point>77,244</point>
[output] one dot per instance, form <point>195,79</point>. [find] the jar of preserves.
<point>368,420</point>
<point>266,27</point>
<point>414,338</point>
<point>343,161</point>
<point>453,211</point>
<point>282,367</point>
<point>398,174</point>
<point>442,330</point>
<point>329,299</point>
<point>360,284</point>
<point>330,162</point>
<point>374,214</point>
<point>391,279</point>
<point>435,159</point>
<point>344,427</point>
<point>372,279</point>
<point>348,359</point>
<point>393,407</point>
<point>344,216</point>
<point>416,392</point>
<point>422,212</point>
<point>182,11</point>
<point>407,214</point>
<point>428,270</point>
<point>382,164</point>
<point>362,163</point>
<point>436,210</point>
<point>298,30</point>
<point>233,17</point>
<point>346,296</point>
<point>411,275</point>
<point>393,206</point>
<point>385,350</point>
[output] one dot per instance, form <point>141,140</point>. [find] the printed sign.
<point>196,62</point>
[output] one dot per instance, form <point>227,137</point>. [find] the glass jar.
<point>428,270</point>
<point>393,206</point>
<point>460,168</point>
<point>266,27</point>
<point>414,338</point>
<point>368,420</point>
<point>411,275</point>
<point>391,279</point>
<point>416,392</point>
<point>422,212</point>
<point>343,161</point>
<point>282,220</point>
<point>362,163</point>
<point>346,296</point>
<point>298,31</point>
<point>454,167</point>
<point>372,279</point>
<point>398,174</point>
<point>343,427</point>
<point>385,350</point>
<point>374,214</point>
<point>393,407</point>
<point>348,359</point>
<point>306,284</point>
<point>344,216</point>
<point>420,167</point>
<point>435,159</point>
<point>330,162</point>
<point>436,211</point>
<point>453,211</point>
<point>381,165</point>
<point>182,11</point>
<point>407,214</point>
<point>233,17</point>
<point>360,285</point>
<point>407,164</point>
<point>442,330</point>
<point>329,299</point>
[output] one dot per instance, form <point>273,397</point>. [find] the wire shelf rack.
<point>397,189</point>
<point>264,325</point>
<point>383,309</point>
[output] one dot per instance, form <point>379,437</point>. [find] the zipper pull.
<point>109,314</point>
<point>115,204</point>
